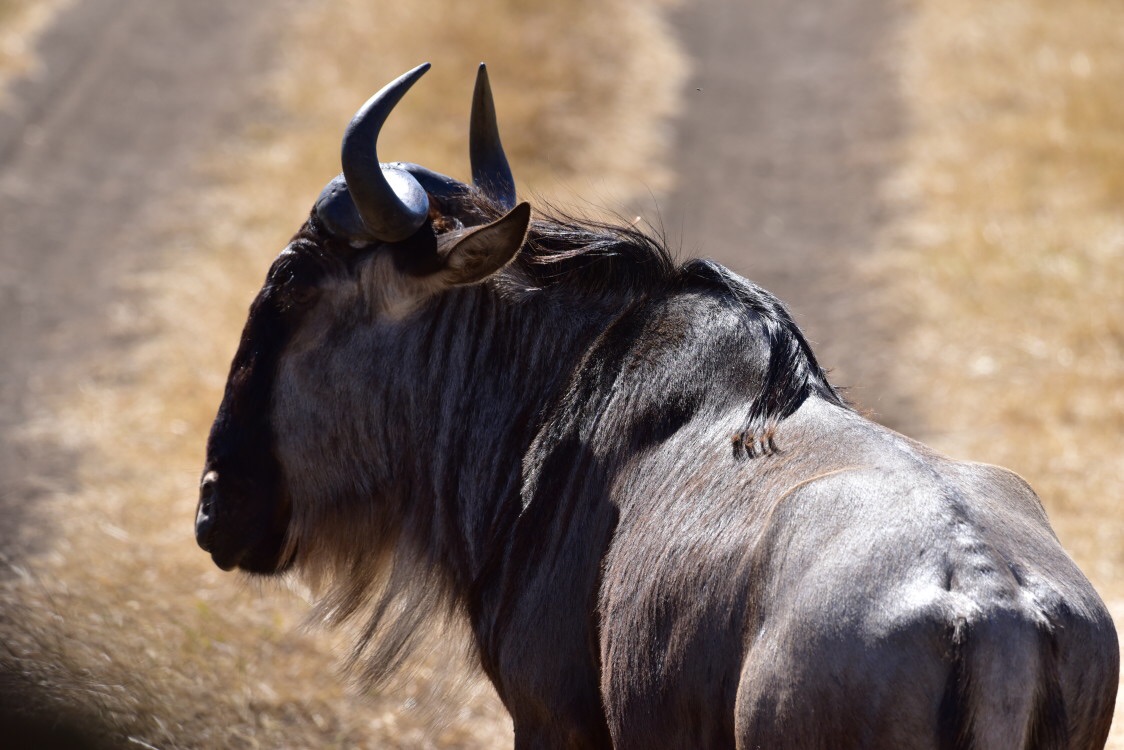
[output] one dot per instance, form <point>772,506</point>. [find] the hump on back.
<point>632,480</point>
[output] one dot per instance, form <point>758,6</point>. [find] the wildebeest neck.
<point>491,372</point>
<point>439,437</point>
<point>589,318</point>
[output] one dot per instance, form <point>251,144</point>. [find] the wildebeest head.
<point>381,241</point>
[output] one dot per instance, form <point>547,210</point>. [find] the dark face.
<point>244,510</point>
<point>309,356</point>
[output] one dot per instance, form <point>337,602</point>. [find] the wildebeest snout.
<point>205,513</point>
<point>242,522</point>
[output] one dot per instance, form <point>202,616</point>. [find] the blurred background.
<point>936,187</point>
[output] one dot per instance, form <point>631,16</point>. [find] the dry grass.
<point>21,22</point>
<point>583,88</point>
<point>125,619</point>
<point>1010,259</point>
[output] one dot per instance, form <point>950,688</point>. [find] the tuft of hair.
<point>793,373</point>
<point>365,575</point>
<point>595,258</point>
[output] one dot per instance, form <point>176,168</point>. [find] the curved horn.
<point>490,171</point>
<point>434,183</point>
<point>391,202</point>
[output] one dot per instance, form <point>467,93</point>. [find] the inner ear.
<point>472,255</point>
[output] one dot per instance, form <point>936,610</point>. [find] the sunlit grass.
<point>21,22</point>
<point>583,89</point>
<point>1010,259</point>
<point>125,618</point>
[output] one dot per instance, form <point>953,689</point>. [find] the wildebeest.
<point>663,525</point>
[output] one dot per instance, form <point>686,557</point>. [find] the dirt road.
<point>130,96</point>
<point>789,127</point>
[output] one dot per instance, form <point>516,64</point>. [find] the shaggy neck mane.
<point>596,259</point>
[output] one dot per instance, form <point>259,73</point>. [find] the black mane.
<point>595,257</point>
<point>598,259</point>
<point>793,373</point>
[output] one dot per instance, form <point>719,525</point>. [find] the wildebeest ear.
<point>472,255</point>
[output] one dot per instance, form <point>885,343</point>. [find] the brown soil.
<point>791,123</point>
